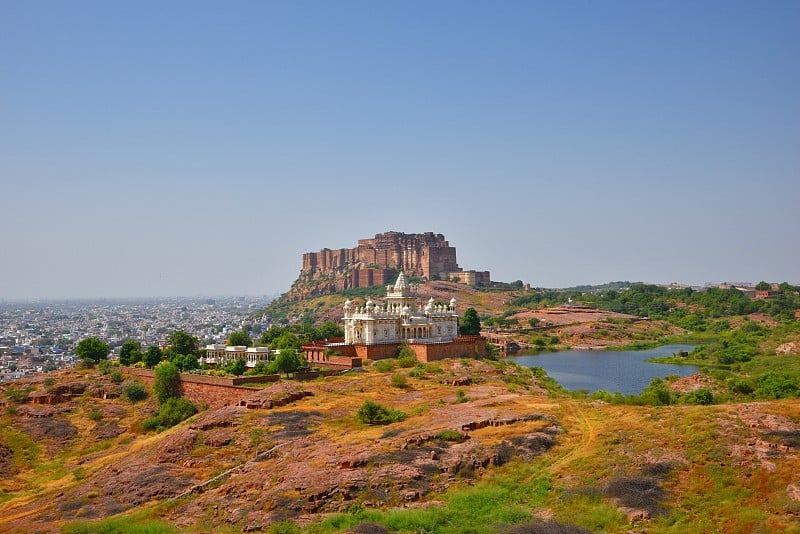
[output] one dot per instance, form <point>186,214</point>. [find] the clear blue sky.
<point>185,147</point>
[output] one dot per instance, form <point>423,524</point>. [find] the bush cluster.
<point>135,393</point>
<point>372,413</point>
<point>172,412</point>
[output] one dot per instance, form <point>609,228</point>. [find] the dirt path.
<point>586,427</point>
<point>578,420</point>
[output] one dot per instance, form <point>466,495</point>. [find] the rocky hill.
<point>483,446</point>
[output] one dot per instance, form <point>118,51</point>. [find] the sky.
<point>165,148</point>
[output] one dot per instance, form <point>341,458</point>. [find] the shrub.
<point>407,362</point>
<point>104,367</point>
<point>433,368</point>
<point>399,380</point>
<point>18,395</point>
<point>135,393</point>
<point>461,396</point>
<point>384,366</point>
<point>450,435</point>
<point>404,351</point>
<point>656,394</point>
<point>260,368</point>
<point>284,527</point>
<point>116,377</point>
<point>172,412</point>
<point>741,386</point>
<point>700,396</point>
<point>777,385</point>
<point>95,414</point>
<point>417,372</point>
<point>372,413</point>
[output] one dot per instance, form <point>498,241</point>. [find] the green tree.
<point>271,334</point>
<point>181,342</point>
<point>130,352</point>
<point>236,367</point>
<point>240,337</point>
<point>186,362</point>
<point>288,361</point>
<point>763,286</point>
<point>287,340</point>
<point>330,330</point>
<point>167,384</point>
<point>470,323</point>
<point>92,349</point>
<point>152,356</point>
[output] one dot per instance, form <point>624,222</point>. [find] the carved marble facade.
<point>399,319</point>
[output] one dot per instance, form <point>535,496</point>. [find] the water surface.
<point>611,370</point>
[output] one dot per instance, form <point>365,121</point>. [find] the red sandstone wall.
<point>471,347</point>
<point>468,348</point>
<point>417,254</point>
<point>376,352</point>
<point>213,391</point>
<point>213,396</point>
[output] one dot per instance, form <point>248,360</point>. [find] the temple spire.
<point>401,286</point>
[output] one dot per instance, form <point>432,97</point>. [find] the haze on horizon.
<point>199,148</point>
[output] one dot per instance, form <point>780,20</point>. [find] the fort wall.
<point>425,254</point>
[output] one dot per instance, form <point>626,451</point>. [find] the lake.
<point>611,370</point>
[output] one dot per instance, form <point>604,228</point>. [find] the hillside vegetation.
<point>459,445</point>
<point>481,446</point>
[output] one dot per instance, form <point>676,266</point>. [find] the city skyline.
<point>155,150</point>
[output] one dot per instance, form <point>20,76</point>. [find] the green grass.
<point>6,496</point>
<point>504,498</point>
<point>26,451</point>
<point>119,525</point>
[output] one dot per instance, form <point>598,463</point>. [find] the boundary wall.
<point>216,391</point>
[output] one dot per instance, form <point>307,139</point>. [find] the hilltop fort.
<point>378,260</point>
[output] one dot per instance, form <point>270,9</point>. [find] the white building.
<point>220,355</point>
<point>399,319</point>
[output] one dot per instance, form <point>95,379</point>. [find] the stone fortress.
<point>378,260</point>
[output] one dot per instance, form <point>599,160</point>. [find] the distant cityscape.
<point>38,337</point>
